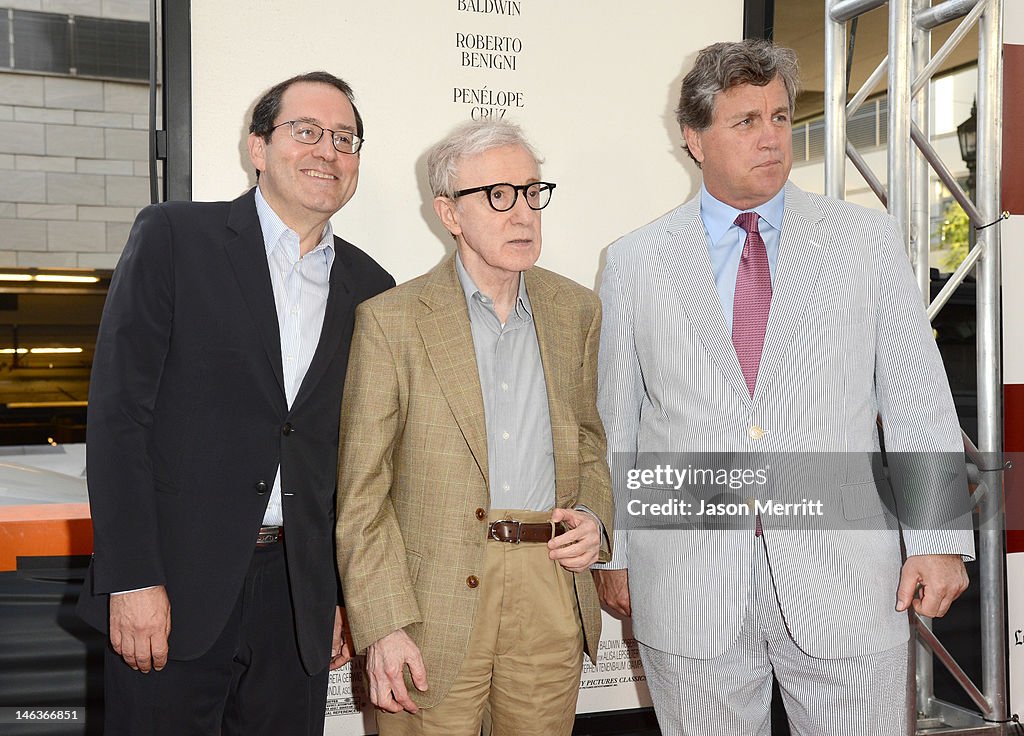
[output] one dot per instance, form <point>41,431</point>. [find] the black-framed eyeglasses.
<point>503,197</point>
<point>344,141</point>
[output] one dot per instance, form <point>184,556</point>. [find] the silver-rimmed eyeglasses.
<point>344,141</point>
<point>503,197</point>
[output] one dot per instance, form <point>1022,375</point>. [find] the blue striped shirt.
<point>520,455</point>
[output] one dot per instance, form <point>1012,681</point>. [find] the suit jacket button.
<point>755,432</point>
<point>287,429</point>
<point>472,581</point>
<point>481,514</point>
<point>261,487</point>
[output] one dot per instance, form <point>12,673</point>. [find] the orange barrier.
<point>43,530</point>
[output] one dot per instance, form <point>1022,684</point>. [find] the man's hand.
<point>140,623</point>
<point>577,549</point>
<point>931,583</point>
<point>386,659</point>
<point>341,652</point>
<point>613,590</point>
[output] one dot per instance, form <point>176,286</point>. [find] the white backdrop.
<point>594,84</point>
<point>598,81</point>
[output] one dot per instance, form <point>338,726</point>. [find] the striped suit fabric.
<point>847,341</point>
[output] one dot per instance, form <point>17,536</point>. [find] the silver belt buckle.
<point>517,525</point>
<point>268,535</point>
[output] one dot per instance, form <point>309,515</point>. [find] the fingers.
<point>573,561</point>
<point>418,672</point>
<point>161,645</point>
<point>125,646</point>
<point>380,695</point>
<point>930,584</point>
<point>907,590</point>
<point>388,692</point>
<point>933,608</point>
<point>936,598</point>
<point>618,602</point>
<point>578,547</point>
<point>617,605</point>
<point>613,590</point>
<point>386,660</point>
<point>343,656</point>
<point>158,648</point>
<point>399,693</point>
<point>338,643</point>
<point>143,655</point>
<point>140,624</point>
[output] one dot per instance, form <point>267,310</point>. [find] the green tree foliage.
<point>954,236</point>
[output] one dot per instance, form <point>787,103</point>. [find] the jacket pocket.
<point>861,501</point>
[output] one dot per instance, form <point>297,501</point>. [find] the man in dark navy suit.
<point>213,436</point>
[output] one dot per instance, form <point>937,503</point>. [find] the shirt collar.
<point>469,288</point>
<point>274,230</point>
<point>718,216</point>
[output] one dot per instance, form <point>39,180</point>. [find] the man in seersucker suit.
<point>765,322</point>
<point>473,486</point>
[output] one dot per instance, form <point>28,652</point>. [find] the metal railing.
<point>909,67</point>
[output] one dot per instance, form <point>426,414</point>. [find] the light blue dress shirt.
<point>301,286</point>
<point>726,239</point>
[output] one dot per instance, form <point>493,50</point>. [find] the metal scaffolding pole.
<point>992,552</point>
<point>910,159</point>
<point>920,199</point>
<point>918,244</point>
<point>899,114</point>
<point>835,105</point>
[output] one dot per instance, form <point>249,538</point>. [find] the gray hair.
<point>722,66</point>
<point>470,139</point>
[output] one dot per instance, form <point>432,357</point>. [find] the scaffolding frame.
<point>909,67</point>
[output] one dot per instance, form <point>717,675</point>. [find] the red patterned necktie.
<point>751,301</point>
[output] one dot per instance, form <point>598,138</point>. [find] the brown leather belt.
<point>515,532</point>
<point>269,535</point>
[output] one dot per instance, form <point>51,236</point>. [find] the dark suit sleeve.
<point>131,348</point>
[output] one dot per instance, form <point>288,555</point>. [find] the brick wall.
<point>73,157</point>
<point>73,169</point>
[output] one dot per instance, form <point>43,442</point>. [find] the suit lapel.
<point>553,322</point>
<point>686,257</point>
<point>248,256</point>
<point>448,342</point>
<point>339,307</point>
<point>796,277</point>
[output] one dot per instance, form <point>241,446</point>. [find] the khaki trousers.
<point>525,652</point>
